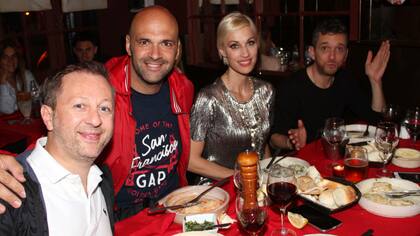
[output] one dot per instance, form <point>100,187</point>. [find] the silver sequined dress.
<point>227,126</point>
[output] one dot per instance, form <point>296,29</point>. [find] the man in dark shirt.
<point>324,90</point>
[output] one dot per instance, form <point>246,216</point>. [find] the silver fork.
<point>404,193</point>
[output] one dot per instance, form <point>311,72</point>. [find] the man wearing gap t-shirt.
<point>148,156</point>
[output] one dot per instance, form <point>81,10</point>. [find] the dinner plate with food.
<point>377,200</point>
<point>327,195</point>
<point>298,165</point>
<point>406,158</point>
<point>215,201</point>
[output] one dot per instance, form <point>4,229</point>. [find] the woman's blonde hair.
<point>232,22</point>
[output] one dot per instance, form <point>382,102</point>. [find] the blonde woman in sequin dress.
<point>235,112</point>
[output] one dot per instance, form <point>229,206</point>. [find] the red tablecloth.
<point>355,220</point>
<point>11,130</point>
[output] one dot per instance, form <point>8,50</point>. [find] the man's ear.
<point>178,51</point>
<point>47,115</point>
<point>127,44</point>
<point>311,51</point>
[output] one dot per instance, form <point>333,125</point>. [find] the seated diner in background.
<point>324,89</point>
<point>62,182</point>
<point>236,110</point>
<point>85,47</point>
<point>14,77</point>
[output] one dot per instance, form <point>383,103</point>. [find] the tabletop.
<point>15,136</point>
<point>355,219</point>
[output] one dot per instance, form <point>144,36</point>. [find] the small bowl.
<point>200,218</point>
<point>406,158</point>
<point>186,193</point>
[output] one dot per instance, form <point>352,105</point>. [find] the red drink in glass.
<point>355,170</point>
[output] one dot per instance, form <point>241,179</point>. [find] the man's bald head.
<point>153,46</point>
<point>153,15</point>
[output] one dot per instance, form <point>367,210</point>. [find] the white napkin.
<point>374,153</point>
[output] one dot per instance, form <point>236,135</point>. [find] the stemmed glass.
<point>412,123</point>
<point>386,139</point>
<point>282,190</point>
<point>334,130</point>
<point>24,103</point>
<point>391,113</point>
<point>252,220</point>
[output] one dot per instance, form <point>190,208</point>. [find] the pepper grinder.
<point>248,161</point>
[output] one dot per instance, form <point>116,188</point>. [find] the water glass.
<point>334,130</point>
<point>24,103</point>
<point>386,139</point>
<point>252,221</point>
<point>412,123</point>
<point>333,137</point>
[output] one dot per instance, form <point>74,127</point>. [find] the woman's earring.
<point>225,61</point>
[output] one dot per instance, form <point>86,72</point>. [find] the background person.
<point>63,184</point>
<point>324,89</point>
<point>14,77</point>
<point>85,47</point>
<point>235,111</point>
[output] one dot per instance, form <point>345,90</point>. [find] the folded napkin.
<point>144,224</point>
<point>374,153</point>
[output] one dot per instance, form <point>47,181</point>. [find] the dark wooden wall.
<point>401,79</point>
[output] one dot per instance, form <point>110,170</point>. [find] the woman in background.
<point>235,112</point>
<point>13,76</point>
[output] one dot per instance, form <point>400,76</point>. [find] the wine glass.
<point>412,123</point>
<point>282,190</point>
<point>386,139</point>
<point>391,113</point>
<point>24,103</point>
<point>36,102</point>
<point>252,220</point>
<point>334,130</point>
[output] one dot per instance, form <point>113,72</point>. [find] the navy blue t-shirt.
<point>153,173</point>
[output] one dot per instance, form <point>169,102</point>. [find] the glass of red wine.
<point>252,221</point>
<point>412,123</point>
<point>282,190</point>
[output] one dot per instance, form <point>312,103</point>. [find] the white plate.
<point>319,235</point>
<point>355,132</point>
<point>388,210</point>
<point>406,158</point>
<point>198,233</point>
<point>286,162</point>
<point>200,218</point>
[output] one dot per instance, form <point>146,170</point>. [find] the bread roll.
<point>304,183</point>
<point>328,184</point>
<point>314,174</point>
<point>326,198</point>
<point>343,195</point>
